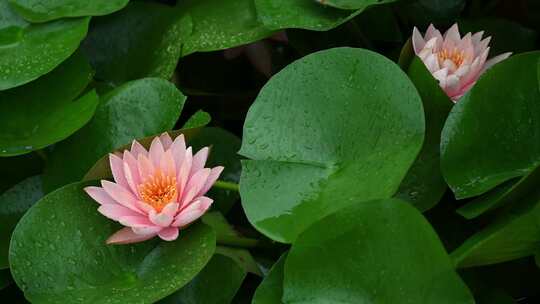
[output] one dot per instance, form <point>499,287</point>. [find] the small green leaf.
<point>41,11</point>
<point>270,291</point>
<point>62,239</point>
<point>44,112</point>
<point>242,257</point>
<point>372,252</point>
<point>13,204</point>
<point>142,40</point>
<point>514,234</point>
<point>198,120</point>
<point>335,127</point>
<point>424,185</point>
<point>28,51</point>
<point>304,14</point>
<point>117,121</point>
<point>491,135</point>
<point>217,283</point>
<point>507,193</point>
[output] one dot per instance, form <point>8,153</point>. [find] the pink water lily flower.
<point>156,192</point>
<point>454,61</point>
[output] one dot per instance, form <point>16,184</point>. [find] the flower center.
<point>455,55</point>
<point>158,190</point>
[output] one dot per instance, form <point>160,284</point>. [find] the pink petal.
<point>143,230</point>
<point>178,149</point>
<point>453,34</point>
<point>137,149</point>
<point>432,32</point>
<point>493,61</point>
<point>116,211</point>
<point>100,196</point>
<point>146,168</point>
<point>194,186</point>
<point>192,212</point>
<point>212,178</point>
<point>417,41</point>
<point>127,236</point>
<point>477,37</point>
<point>117,168</point>
<point>167,165</point>
<point>183,172</point>
<point>120,195</point>
<point>135,221</point>
<point>156,151</point>
<point>131,172</point>
<point>165,217</point>
<point>166,140</point>
<point>169,234</point>
<point>199,159</point>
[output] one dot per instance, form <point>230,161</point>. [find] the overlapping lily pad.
<point>44,112</point>
<point>514,234</point>
<point>270,291</point>
<point>28,51</point>
<point>424,185</point>
<point>217,283</point>
<point>372,252</point>
<point>62,239</point>
<point>134,110</point>
<point>491,135</point>
<point>41,11</point>
<point>13,204</point>
<point>334,128</point>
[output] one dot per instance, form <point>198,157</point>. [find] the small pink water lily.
<point>454,61</point>
<point>156,192</point>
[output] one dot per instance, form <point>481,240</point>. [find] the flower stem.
<point>227,185</point>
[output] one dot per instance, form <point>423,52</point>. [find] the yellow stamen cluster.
<point>454,55</point>
<point>158,190</point>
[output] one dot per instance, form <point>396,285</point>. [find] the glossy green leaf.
<point>304,14</point>
<point>372,252</point>
<point>270,291</point>
<point>117,121</point>
<point>217,283</point>
<point>41,11</point>
<point>13,204</point>
<point>221,24</point>
<point>150,44</point>
<point>317,148</point>
<point>509,192</point>
<point>424,185</point>
<point>198,120</point>
<point>28,51</point>
<point>225,146</point>
<point>242,257</point>
<point>492,135</point>
<point>58,254</point>
<point>43,112</point>
<point>514,234</point>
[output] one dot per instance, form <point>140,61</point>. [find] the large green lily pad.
<point>372,252</point>
<point>58,254</point>
<point>491,135</point>
<point>316,148</point>
<point>28,51</point>
<point>44,111</point>
<point>41,11</point>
